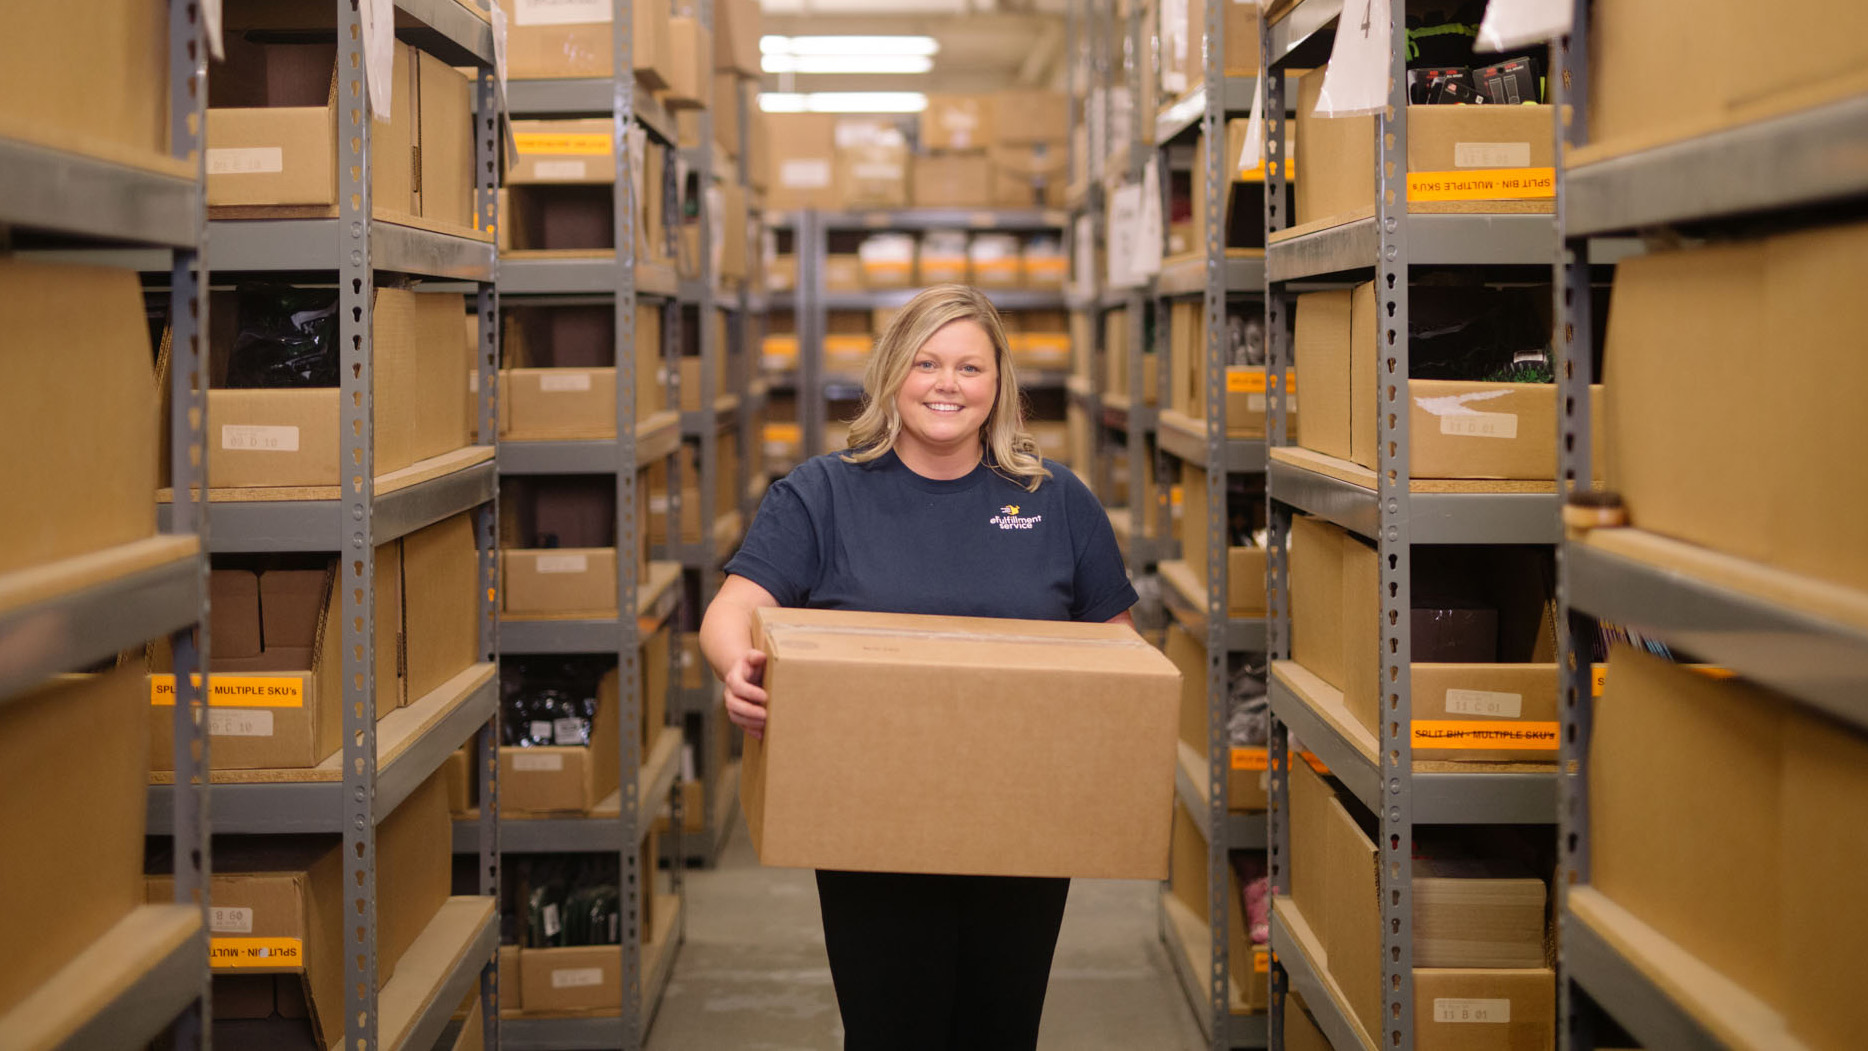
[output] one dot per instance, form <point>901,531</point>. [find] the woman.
<point>941,505</point>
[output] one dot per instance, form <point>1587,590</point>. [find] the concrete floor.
<point>753,977</point>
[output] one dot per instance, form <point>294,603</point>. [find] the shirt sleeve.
<point>780,552</point>
<point>1101,588</point>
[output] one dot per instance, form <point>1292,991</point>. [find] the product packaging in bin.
<point>961,745</point>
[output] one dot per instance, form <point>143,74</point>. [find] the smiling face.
<point>948,394</point>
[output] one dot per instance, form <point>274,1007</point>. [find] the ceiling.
<point>985,45</point>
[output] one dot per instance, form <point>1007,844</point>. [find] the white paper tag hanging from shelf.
<point>1150,233</point>
<point>1510,24</point>
<point>211,23</point>
<point>1125,206</point>
<point>499,80</point>
<point>1254,153</point>
<point>1356,82</point>
<point>379,53</point>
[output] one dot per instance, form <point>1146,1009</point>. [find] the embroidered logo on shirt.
<point>1008,518</point>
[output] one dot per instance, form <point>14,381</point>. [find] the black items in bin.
<point>1477,333</point>
<point>1512,82</point>
<point>547,701</point>
<point>565,900</point>
<point>286,337</point>
<point>1429,86</point>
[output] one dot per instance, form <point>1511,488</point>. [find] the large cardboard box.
<point>272,129</point>
<point>71,766</point>
<point>804,157</point>
<point>283,709</point>
<point>558,581</point>
<point>1027,117</point>
<point>1183,32</point>
<point>551,39</point>
<point>440,604</point>
<point>560,380</point>
<point>690,65</point>
<point>1337,154</point>
<point>1790,784</point>
<point>953,180</point>
<point>444,175</point>
<point>565,779</point>
<point>871,164</point>
<point>1673,449</point>
<point>282,899</point>
<point>957,122</point>
<point>97,86</point>
<point>1077,721</point>
<point>79,405</point>
<point>288,437</point>
<point>737,25</point>
<point>549,152</point>
<point>1653,80</point>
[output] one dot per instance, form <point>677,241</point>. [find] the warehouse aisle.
<point>752,976</point>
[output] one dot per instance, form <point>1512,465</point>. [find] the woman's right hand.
<point>745,696</point>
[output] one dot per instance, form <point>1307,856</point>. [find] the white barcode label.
<point>552,925</point>
<point>576,977</point>
<point>563,563</point>
<point>246,160</point>
<point>1450,1010</point>
<point>540,730</point>
<point>559,12</point>
<point>1484,702</point>
<point>1255,403</point>
<point>1492,155</point>
<point>541,763</point>
<point>564,382</point>
<point>1480,425</point>
<point>252,438</point>
<point>804,173</point>
<point>568,731</point>
<point>561,169</point>
<point>224,919</point>
<point>239,722</point>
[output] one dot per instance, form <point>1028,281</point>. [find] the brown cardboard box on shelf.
<point>1042,264</point>
<point>1671,442</point>
<point>940,258</point>
<point>990,713</point>
<point>1337,154</point>
<point>888,260</point>
<point>872,164</point>
<point>233,613</point>
<point>458,774</point>
<point>74,749</point>
<point>1653,81</point>
<point>558,580</point>
<point>737,25</point>
<point>111,103</point>
<point>440,601</point>
<point>79,399</point>
<point>1183,28</point>
<point>726,113</point>
<point>560,383</point>
<point>735,252</point>
<point>1028,175</point>
<point>803,166</point>
<point>267,437</point>
<point>1188,880</point>
<point>1317,612</point>
<point>286,894</point>
<point>571,978</point>
<point>512,990</point>
<point>1245,781</point>
<point>1024,117</point>
<point>1791,783</point>
<point>272,129</point>
<point>444,177</point>
<point>843,272</point>
<point>1245,573</point>
<point>564,779</point>
<point>1321,359</point>
<point>556,152</point>
<point>957,122</point>
<point>283,709</point>
<point>1300,1029</point>
<point>952,180</point>
<point>553,40</point>
<point>690,65</point>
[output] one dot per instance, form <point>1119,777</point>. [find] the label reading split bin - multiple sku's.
<point>1483,184</point>
<point>236,691</point>
<point>1485,735</point>
<point>237,953</point>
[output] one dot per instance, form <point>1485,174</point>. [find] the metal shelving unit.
<point>381,763</point>
<point>1799,166</point>
<point>626,284</point>
<point>148,975</point>
<point>1383,505</point>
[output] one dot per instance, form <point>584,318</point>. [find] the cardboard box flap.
<point>834,635</point>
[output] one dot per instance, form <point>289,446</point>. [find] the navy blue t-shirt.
<point>880,538</point>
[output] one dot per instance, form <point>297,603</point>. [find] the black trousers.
<point>940,963</point>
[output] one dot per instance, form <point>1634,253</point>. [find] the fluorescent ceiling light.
<point>847,63</point>
<point>868,46</point>
<point>844,102</point>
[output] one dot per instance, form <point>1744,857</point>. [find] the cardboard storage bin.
<point>1183,32</point>
<point>96,86</point>
<point>440,604</point>
<point>957,123</point>
<point>559,383</point>
<point>564,779</point>
<point>1074,720</point>
<point>281,899</point>
<point>1791,786</point>
<point>1673,449</point>
<point>79,403</point>
<point>282,707</point>
<point>871,164</point>
<point>548,40</point>
<point>71,763</point>
<point>563,532</point>
<point>1028,175</point>
<point>1333,885</point>
<point>1250,964</point>
<point>1245,566</point>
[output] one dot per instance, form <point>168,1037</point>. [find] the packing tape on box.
<point>781,631</point>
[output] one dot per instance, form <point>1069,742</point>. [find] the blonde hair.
<point>1010,449</point>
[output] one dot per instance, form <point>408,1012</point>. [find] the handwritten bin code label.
<point>1485,702</point>
<point>235,953</point>
<point>236,691</point>
<point>1483,184</point>
<point>1479,424</point>
<point>576,977</point>
<point>254,438</point>
<point>1452,1010</point>
<point>1446,733</point>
